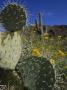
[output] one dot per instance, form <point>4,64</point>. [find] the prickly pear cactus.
<point>10,50</point>
<point>37,73</point>
<point>13,17</point>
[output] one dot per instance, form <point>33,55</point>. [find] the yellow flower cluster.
<point>52,61</point>
<point>36,52</point>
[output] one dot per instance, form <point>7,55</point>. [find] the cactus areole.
<point>13,17</point>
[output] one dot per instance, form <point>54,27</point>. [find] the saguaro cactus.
<point>38,23</point>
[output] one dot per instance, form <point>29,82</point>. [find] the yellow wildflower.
<point>36,52</point>
<point>46,36</point>
<point>52,61</point>
<point>47,49</point>
<point>61,53</point>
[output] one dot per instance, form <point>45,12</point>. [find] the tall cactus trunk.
<point>36,23</point>
<point>40,23</point>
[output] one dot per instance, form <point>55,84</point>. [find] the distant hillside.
<point>56,30</point>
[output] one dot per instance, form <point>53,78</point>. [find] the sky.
<point>54,12</point>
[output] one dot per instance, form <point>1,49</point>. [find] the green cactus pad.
<point>37,73</point>
<point>13,17</point>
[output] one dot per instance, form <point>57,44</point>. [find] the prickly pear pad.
<point>37,73</point>
<point>10,50</point>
